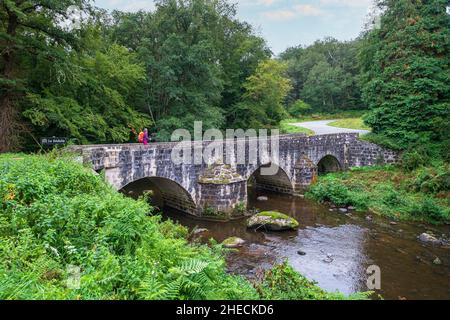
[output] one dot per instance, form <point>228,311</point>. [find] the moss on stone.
<point>220,174</point>
<point>233,242</point>
<point>273,220</point>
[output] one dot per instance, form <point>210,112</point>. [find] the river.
<point>337,248</point>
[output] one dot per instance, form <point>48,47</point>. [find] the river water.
<point>337,249</point>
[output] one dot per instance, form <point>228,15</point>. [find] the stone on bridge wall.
<point>221,191</point>
<point>305,174</point>
<point>363,153</point>
<point>175,196</point>
<point>279,182</point>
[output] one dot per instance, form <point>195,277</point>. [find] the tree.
<point>265,92</point>
<point>93,103</point>
<point>406,66</point>
<point>325,87</point>
<point>30,31</point>
<point>337,61</point>
<point>197,56</point>
<point>299,108</point>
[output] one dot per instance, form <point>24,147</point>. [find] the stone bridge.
<point>216,189</point>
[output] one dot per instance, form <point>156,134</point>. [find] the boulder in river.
<point>429,238</point>
<point>233,242</point>
<point>343,210</point>
<point>263,198</point>
<point>272,221</point>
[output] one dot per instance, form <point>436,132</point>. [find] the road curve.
<point>322,127</point>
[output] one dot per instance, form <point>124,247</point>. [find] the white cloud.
<point>280,15</point>
<point>255,2</point>
<point>136,5</point>
<point>127,5</point>
<point>308,10</point>
<point>347,3</point>
<point>305,10</point>
<point>267,2</point>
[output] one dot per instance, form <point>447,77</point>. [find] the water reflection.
<point>338,249</point>
<point>335,257</point>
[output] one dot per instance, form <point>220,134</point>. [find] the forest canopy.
<point>104,78</point>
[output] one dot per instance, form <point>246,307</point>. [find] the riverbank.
<point>335,249</point>
<point>418,195</point>
<point>66,234</point>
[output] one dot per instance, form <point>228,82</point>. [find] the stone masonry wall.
<point>182,187</point>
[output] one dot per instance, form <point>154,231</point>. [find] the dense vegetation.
<point>56,213</point>
<point>403,80</point>
<point>421,194</point>
<point>113,74</point>
<point>325,77</point>
<point>101,80</point>
<point>405,71</point>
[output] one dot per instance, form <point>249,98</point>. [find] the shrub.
<point>432,180</point>
<point>283,283</point>
<point>418,195</point>
<point>414,159</point>
<point>331,189</point>
<point>55,213</point>
<point>299,108</point>
<point>389,196</point>
<point>429,209</point>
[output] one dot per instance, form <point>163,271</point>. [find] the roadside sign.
<point>51,141</point>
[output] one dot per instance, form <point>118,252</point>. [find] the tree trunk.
<point>8,111</point>
<point>8,124</point>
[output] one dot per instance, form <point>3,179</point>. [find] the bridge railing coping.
<point>284,137</point>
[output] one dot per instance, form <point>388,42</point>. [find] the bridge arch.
<point>280,182</point>
<point>167,193</point>
<point>328,164</point>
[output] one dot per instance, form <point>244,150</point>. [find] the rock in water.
<point>437,261</point>
<point>343,210</point>
<point>263,198</point>
<point>199,231</point>
<point>428,238</point>
<point>301,253</point>
<point>233,242</point>
<point>272,221</point>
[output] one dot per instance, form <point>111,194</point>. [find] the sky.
<point>285,23</point>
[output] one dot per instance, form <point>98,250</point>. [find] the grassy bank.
<point>418,195</point>
<point>351,117</point>
<point>287,127</point>
<point>350,123</point>
<point>56,213</point>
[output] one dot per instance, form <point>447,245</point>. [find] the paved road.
<point>322,127</point>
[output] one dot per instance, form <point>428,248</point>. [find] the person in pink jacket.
<point>146,140</point>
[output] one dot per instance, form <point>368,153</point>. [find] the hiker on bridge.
<point>146,138</point>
